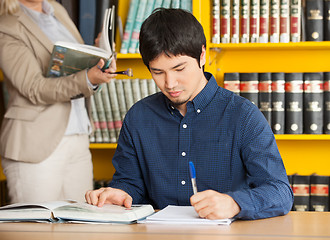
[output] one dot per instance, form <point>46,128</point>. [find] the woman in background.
<point>44,134</point>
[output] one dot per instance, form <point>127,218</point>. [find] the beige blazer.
<point>39,107</point>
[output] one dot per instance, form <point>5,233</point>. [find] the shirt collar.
<point>203,97</point>
<point>47,9</point>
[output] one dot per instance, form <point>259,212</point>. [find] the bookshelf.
<point>303,154</point>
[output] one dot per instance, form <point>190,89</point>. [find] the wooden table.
<point>295,225</point>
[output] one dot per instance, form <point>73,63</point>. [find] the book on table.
<point>68,58</point>
<point>71,211</point>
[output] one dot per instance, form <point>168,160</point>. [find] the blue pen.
<point>193,176</point>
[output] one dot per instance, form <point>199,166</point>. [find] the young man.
<point>239,170</point>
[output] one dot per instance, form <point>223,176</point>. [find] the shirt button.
<point>198,110</point>
<point>184,125</point>
<point>183,182</point>
<point>183,154</point>
<point>172,107</point>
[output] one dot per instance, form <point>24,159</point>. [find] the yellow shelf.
<point>103,146</point>
<point>278,137</point>
<point>129,56</point>
<point>302,137</point>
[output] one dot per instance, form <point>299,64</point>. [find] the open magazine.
<point>71,211</point>
<point>68,58</point>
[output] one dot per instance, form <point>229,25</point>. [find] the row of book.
<point>138,11</point>
<point>111,103</point>
<point>311,192</point>
<point>243,21</point>
<point>292,103</point>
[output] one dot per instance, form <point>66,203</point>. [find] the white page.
<point>183,215</point>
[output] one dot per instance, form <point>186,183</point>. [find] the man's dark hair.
<point>173,32</point>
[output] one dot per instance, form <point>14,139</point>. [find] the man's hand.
<point>108,195</point>
<point>214,205</point>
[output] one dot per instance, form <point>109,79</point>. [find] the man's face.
<point>179,77</point>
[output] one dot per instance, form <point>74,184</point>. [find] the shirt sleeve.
<point>268,193</point>
<point>128,176</point>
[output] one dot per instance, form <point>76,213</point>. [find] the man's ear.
<point>202,60</point>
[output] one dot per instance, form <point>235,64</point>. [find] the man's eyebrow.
<point>176,66</point>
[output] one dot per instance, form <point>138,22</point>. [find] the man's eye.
<point>179,69</point>
<point>157,73</point>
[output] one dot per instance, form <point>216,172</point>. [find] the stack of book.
<point>311,192</point>
<point>110,105</point>
<point>292,103</point>
<point>263,21</point>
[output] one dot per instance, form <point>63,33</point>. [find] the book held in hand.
<point>71,211</point>
<point>68,58</point>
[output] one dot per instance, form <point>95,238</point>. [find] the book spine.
<point>137,25</point>
<point>244,21</point>
<point>152,88</point>
<point>265,96</point>
<point>102,119</point>
<point>294,103</point>
<point>175,4</point>
<point>231,82</point>
<point>166,4</point>
<point>326,124</point>
<point>97,128</point>
<point>108,114</point>
<point>278,103</point>
<point>225,21</point>
<point>234,21</point>
<point>295,20</point>
<point>128,93</point>
<point>149,8</point>
<point>87,12</point>
<point>301,190</point>
<point>133,7</point>
<point>136,89</point>
<point>274,21</point>
<point>186,5</point>
<point>285,21</point>
<point>326,20</point>
<point>264,21</point>
<point>216,21</point>
<point>313,103</point>
<point>158,3</point>
<point>121,98</point>
<point>249,86</point>
<point>147,12</point>
<point>314,20</point>
<point>115,107</point>
<point>101,6</point>
<point>254,20</point>
<point>319,193</point>
<point>144,88</point>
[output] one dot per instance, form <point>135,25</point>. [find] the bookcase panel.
<point>305,156</point>
<point>271,60</point>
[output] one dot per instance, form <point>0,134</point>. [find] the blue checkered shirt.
<point>226,137</point>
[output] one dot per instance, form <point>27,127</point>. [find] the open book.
<point>182,215</point>
<point>68,58</point>
<point>71,211</point>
